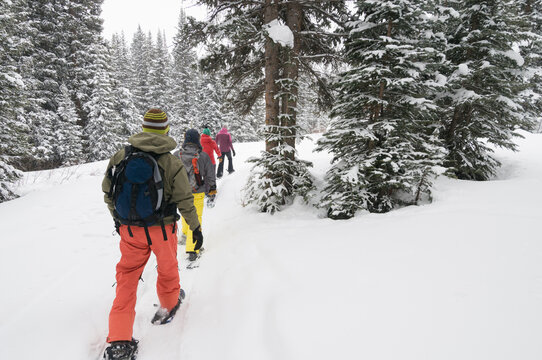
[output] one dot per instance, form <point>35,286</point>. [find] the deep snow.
<point>460,278</point>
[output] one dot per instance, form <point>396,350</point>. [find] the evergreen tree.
<point>311,117</point>
<point>532,52</point>
<point>383,135</point>
<point>8,175</point>
<point>105,131</point>
<point>141,55</point>
<point>48,70</point>
<point>121,79</point>
<point>12,99</point>
<point>183,80</point>
<point>82,29</point>
<point>68,150</point>
<point>484,79</point>
<point>159,75</point>
<point>244,42</point>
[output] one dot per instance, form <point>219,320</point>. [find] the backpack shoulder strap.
<point>128,150</point>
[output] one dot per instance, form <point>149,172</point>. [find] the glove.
<point>117,226</point>
<point>197,237</point>
<point>233,151</point>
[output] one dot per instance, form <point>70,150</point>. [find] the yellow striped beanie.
<point>156,121</point>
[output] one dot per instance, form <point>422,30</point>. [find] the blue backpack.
<point>137,191</point>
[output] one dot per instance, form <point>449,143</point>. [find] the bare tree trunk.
<point>271,75</point>
<point>379,109</point>
<point>291,72</point>
<point>528,7</point>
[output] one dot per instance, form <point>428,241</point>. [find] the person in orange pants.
<point>135,253</point>
<point>149,153</point>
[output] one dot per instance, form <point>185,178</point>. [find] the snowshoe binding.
<point>163,316</point>
<point>121,350</point>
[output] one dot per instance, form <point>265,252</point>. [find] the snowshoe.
<point>163,316</point>
<point>193,259</point>
<point>121,350</point>
<point>211,201</point>
<point>192,256</point>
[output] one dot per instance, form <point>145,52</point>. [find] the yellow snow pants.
<point>198,203</point>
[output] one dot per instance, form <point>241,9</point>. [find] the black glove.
<point>233,151</point>
<point>197,237</point>
<point>117,226</point>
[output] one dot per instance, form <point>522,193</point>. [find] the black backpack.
<point>137,191</point>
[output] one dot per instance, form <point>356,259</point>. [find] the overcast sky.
<point>152,15</point>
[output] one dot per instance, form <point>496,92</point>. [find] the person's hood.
<point>205,138</point>
<point>151,142</point>
<point>223,130</point>
<point>190,149</point>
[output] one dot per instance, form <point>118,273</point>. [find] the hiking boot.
<point>121,350</point>
<point>163,316</point>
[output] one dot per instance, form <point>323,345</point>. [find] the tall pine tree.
<point>484,79</point>
<point>383,135</point>
<point>246,41</point>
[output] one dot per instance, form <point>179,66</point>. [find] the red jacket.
<point>209,145</point>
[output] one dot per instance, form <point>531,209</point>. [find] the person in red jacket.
<point>210,146</point>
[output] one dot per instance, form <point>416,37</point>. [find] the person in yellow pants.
<point>198,203</point>
<point>202,178</point>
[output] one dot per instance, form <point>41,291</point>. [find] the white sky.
<point>152,15</point>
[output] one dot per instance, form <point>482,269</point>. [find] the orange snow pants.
<point>135,252</point>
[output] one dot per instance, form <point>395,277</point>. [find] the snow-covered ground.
<point>459,279</point>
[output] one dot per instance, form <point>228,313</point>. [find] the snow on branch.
<point>279,33</point>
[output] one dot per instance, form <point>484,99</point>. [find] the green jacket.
<point>176,186</point>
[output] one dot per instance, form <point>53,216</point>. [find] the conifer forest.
<point>400,91</point>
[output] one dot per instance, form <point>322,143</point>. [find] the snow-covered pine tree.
<point>65,38</point>
<point>383,135</point>
<point>141,55</point>
<point>207,104</point>
<point>278,175</point>
<point>45,71</point>
<point>245,41</point>
<point>311,117</point>
<point>12,99</point>
<point>105,131</point>
<point>484,79</point>
<point>183,80</point>
<point>531,50</point>
<point>68,150</point>
<point>159,80</point>
<point>121,80</point>
<point>84,42</point>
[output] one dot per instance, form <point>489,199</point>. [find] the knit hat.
<point>192,137</point>
<point>156,121</point>
<point>206,131</point>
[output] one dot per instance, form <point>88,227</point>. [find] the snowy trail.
<point>460,278</point>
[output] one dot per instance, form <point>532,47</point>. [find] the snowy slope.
<point>460,278</point>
